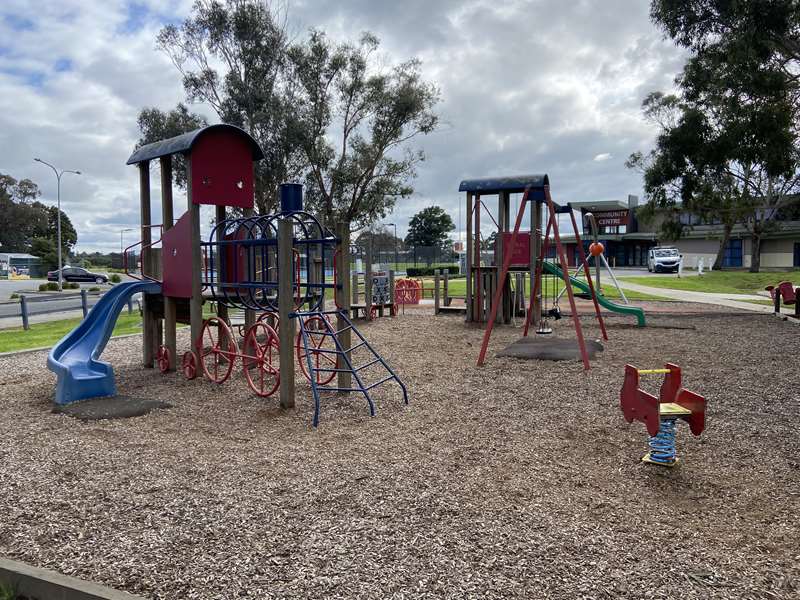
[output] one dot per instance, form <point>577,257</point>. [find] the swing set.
<point>536,191</point>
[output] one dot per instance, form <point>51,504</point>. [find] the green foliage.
<point>14,296</point>
<point>372,114</point>
<point>94,288</point>
<point>114,278</point>
<point>429,271</point>
<point>430,227</point>
<point>251,89</point>
<point>50,286</point>
<point>728,146</point>
<point>236,56</point>
<point>23,218</point>
<point>155,125</point>
<point>381,239</point>
<point>71,285</point>
<point>45,249</point>
<point>7,592</point>
<point>90,260</point>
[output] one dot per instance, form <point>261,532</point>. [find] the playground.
<point>506,481</point>
<point>316,431</point>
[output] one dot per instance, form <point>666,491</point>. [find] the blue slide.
<point>75,359</point>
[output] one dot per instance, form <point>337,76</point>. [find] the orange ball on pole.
<point>596,248</point>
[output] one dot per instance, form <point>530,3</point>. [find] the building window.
<point>733,254</point>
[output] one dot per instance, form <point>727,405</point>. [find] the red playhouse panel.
<point>522,248</point>
<point>176,256</point>
<point>222,169</point>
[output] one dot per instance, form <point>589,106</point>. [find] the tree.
<point>45,249</point>
<point>23,218</point>
<point>430,227</point>
<point>382,241</point>
<point>156,125</point>
<point>231,55</point>
<point>487,243</point>
<point>727,150</point>
<point>354,124</point>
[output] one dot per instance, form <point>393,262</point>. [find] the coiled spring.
<point>662,445</point>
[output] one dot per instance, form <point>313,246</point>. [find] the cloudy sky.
<point>527,86</point>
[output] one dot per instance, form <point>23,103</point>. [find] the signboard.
<point>522,248</point>
<point>612,218</point>
<point>458,247</point>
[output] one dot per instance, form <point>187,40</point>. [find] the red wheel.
<point>373,313</point>
<point>163,359</point>
<point>217,349</point>
<point>271,319</point>
<point>189,365</point>
<point>321,348</point>
<point>260,354</point>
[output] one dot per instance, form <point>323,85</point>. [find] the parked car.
<point>663,258</point>
<point>77,274</point>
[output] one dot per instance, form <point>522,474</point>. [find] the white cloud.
<point>515,98</point>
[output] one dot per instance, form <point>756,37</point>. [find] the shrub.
<point>72,286</point>
<point>50,286</point>
<point>115,278</point>
<point>94,289</point>
<point>14,296</point>
<point>430,271</point>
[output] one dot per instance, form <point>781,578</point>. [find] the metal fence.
<point>30,305</point>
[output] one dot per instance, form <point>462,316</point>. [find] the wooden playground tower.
<point>489,296</point>
<point>272,266</point>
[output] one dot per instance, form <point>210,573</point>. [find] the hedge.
<point>430,271</point>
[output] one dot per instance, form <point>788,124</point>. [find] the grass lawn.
<point>722,282</point>
<point>458,287</point>
<point>47,334</point>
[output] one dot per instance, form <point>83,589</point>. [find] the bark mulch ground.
<point>518,479</point>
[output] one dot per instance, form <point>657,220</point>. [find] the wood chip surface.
<point>515,480</point>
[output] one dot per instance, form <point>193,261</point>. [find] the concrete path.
<point>729,300</point>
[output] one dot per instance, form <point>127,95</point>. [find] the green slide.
<point>605,303</point>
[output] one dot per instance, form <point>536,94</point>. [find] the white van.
<point>662,258</point>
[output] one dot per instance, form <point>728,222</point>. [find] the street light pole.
<point>58,220</point>
<point>395,243</point>
<point>122,248</point>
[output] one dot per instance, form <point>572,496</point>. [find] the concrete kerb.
<point>40,584</point>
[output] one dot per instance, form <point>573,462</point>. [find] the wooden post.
<point>170,316</point>
<point>286,332</point>
<point>148,322</point>
<point>354,287</point>
<point>436,292</point>
<point>368,283</point>
<point>249,313</point>
<point>344,379</point>
<point>468,265</point>
<point>222,309</point>
<point>536,248</point>
<point>196,301</point>
<point>23,309</point>
<point>446,287</point>
<point>393,309</point>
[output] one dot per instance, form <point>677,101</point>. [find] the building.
<point>18,265</point>
<point>627,240</point>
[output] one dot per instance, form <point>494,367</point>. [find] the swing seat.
<point>787,292</point>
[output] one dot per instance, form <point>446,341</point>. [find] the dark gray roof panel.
<point>184,143</point>
<point>515,184</point>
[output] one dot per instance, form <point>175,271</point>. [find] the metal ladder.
<point>344,362</point>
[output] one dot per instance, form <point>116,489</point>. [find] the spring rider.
<point>660,415</point>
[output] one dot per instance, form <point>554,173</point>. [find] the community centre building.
<point>627,240</point>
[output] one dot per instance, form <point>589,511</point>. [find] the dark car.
<point>77,274</point>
